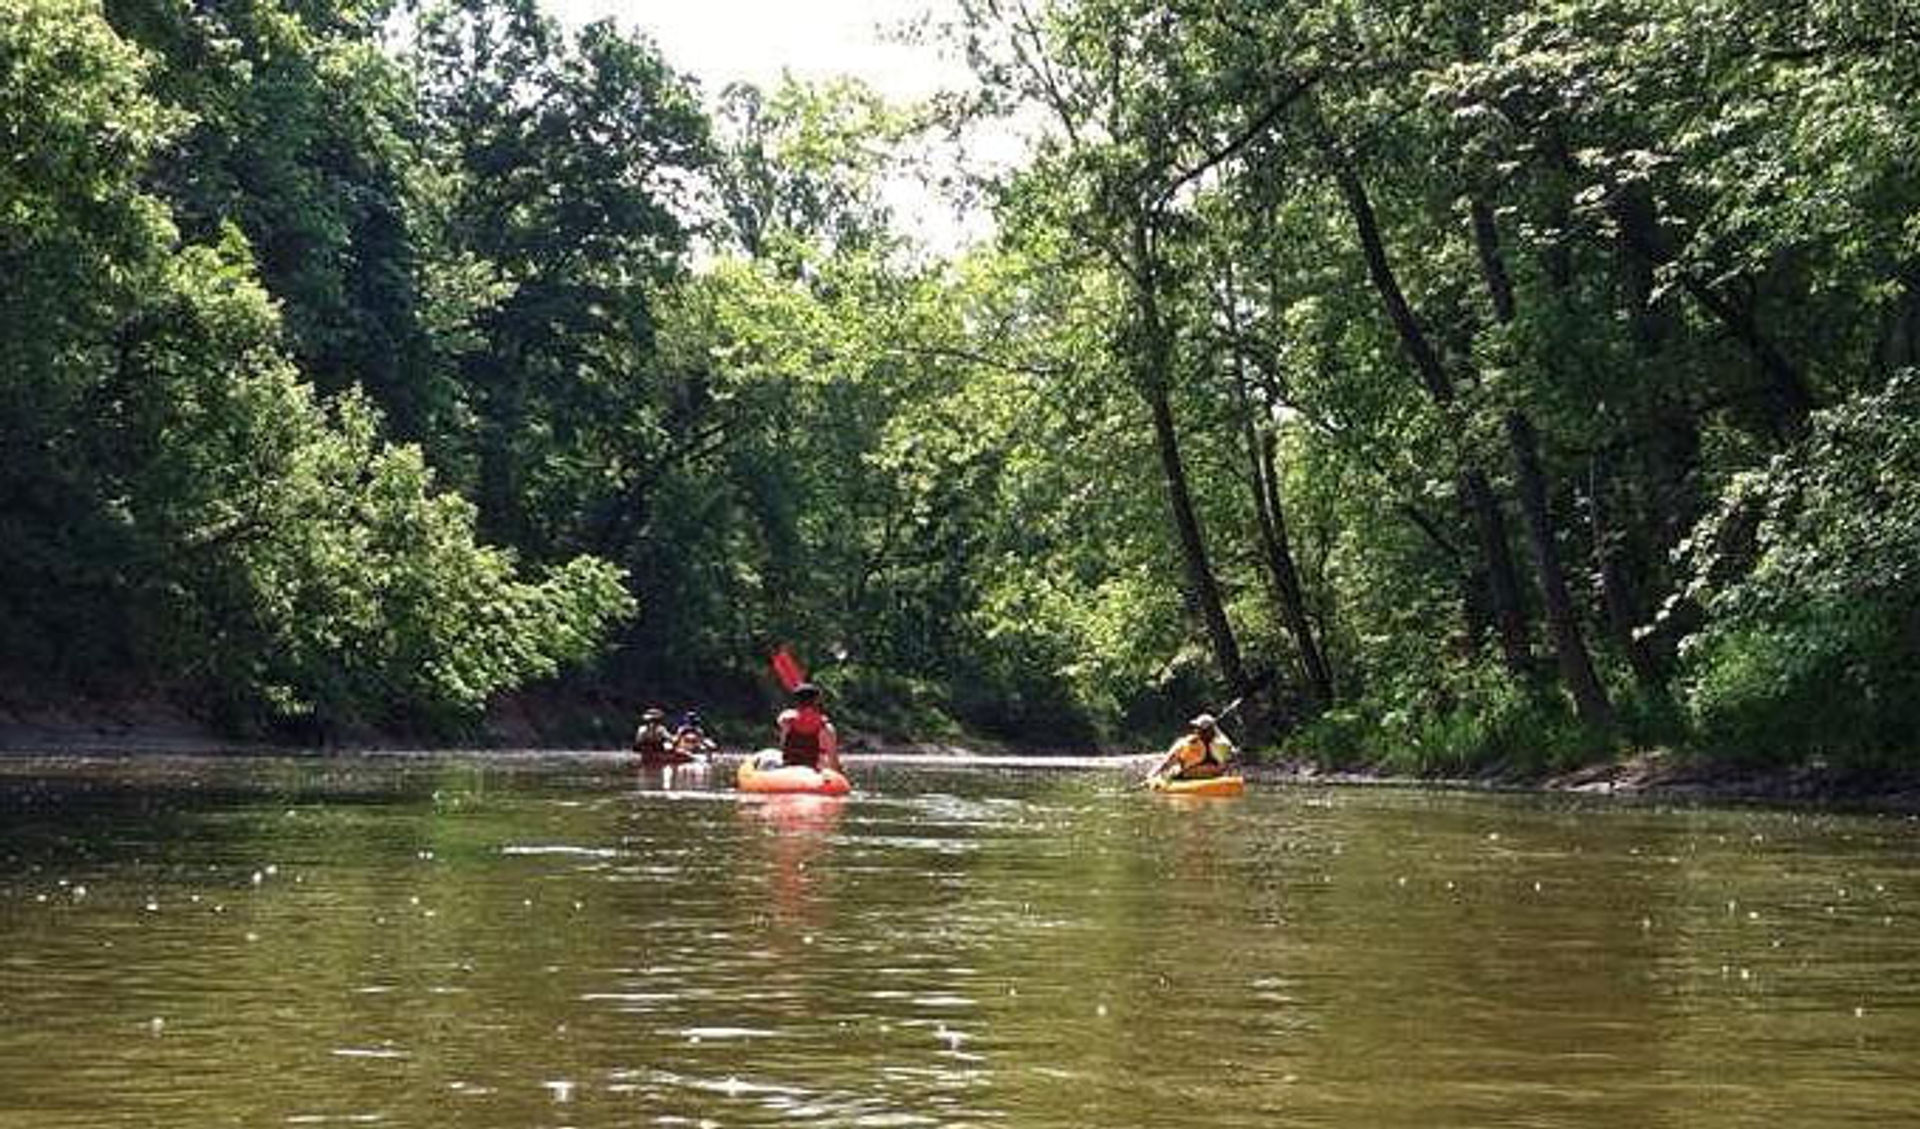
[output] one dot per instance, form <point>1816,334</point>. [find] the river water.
<point>560,941</point>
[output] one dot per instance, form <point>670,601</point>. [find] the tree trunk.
<point>1503,588</point>
<point>1502,579</point>
<point>503,420</point>
<point>1900,327</point>
<point>1652,327</point>
<point>1576,665</point>
<point>1201,586</point>
<point>1493,266</point>
<point>1616,591</point>
<point>1154,379</point>
<point>1413,338</point>
<point>1263,476</point>
<point>1789,396</point>
<point>1286,577</point>
<point>1576,668</point>
<point>1557,256</point>
<point>1672,457</point>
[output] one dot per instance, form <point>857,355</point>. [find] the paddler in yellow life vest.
<point>1202,753</point>
<point>807,736</point>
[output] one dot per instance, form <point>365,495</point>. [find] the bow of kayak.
<point>1206,786</point>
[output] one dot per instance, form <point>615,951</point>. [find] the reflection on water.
<point>559,941</point>
<point>793,830</point>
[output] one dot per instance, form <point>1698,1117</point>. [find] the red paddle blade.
<point>787,669</point>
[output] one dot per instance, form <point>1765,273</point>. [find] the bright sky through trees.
<point>757,41</point>
<point>720,41</point>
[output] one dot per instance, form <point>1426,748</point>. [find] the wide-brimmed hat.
<point>1204,721</point>
<point>654,715</point>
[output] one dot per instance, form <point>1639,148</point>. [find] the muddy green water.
<point>551,941</point>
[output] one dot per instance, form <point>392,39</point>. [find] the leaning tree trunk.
<point>1789,397</point>
<point>1201,585</point>
<point>1503,586</point>
<point>1286,577</point>
<point>1264,479</point>
<point>1570,647</point>
<point>1154,377</point>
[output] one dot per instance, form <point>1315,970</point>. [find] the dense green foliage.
<point>1455,387</point>
<point>1809,644</point>
<point>180,507</point>
<point>1467,315</point>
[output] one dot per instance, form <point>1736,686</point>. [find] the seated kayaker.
<point>1203,752</point>
<point>807,736</point>
<point>653,740</point>
<point>690,741</point>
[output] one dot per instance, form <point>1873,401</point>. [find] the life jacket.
<point>800,742</point>
<point>1195,750</point>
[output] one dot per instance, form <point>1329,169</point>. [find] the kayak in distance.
<point>763,773</point>
<point>671,776</point>
<point>672,760</point>
<point>1205,786</point>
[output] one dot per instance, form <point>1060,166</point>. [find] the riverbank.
<point>135,726</point>
<point>1656,776</point>
<point>118,725</point>
<point>1814,784</point>
<point>152,722</point>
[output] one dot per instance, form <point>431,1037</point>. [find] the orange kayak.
<point>757,775</point>
<point>1208,786</point>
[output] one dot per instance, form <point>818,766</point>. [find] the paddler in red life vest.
<point>1202,753</point>
<point>806,733</point>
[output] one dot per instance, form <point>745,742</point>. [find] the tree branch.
<point>1240,141</point>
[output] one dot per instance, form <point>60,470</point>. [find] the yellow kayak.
<point>1207,786</point>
